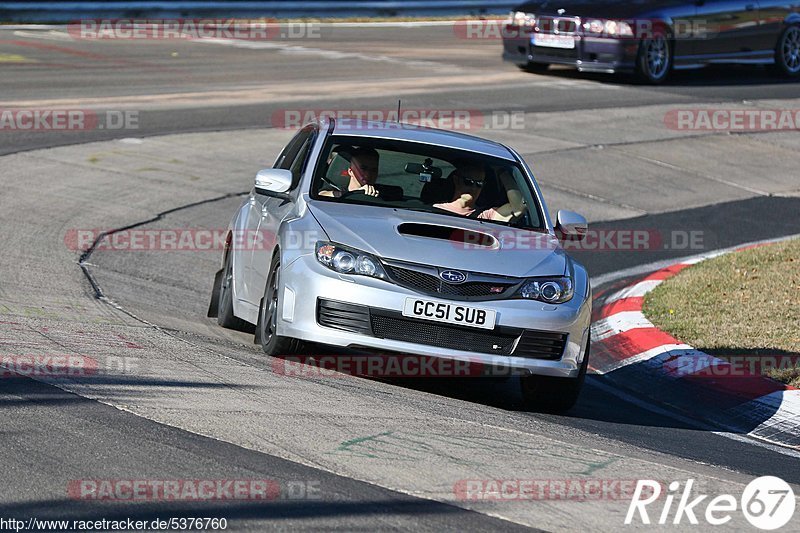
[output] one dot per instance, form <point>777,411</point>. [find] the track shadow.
<point>710,76</point>
<point>62,445</point>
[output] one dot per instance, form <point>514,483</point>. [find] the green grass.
<point>740,304</point>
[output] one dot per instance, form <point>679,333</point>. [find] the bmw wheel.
<point>787,53</point>
<point>654,62</point>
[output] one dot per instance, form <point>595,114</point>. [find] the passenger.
<point>468,180</point>
<point>363,172</point>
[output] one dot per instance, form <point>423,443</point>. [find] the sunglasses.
<point>471,182</point>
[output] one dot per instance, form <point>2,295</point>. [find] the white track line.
<point>624,396</point>
<point>619,323</point>
<point>778,411</point>
<point>598,281</point>
<point>634,291</point>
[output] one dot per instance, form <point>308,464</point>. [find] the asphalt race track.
<point>186,399</point>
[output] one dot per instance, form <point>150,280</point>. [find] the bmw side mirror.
<point>571,226</point>
<point>273,181</point>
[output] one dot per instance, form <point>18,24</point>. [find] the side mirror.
<point>273,181</point>
<point>571,226</point>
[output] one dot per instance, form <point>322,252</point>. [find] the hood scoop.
<point>458,235</point>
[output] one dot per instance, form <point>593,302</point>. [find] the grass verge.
<point>742,306</point>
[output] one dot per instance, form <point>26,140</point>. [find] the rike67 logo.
<point>767,502</point>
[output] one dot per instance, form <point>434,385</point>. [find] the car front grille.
<point>393,325</point>
<point>555,53</point>
<point>414,279</point>
<point>433,285</point>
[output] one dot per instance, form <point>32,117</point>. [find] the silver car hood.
<point>377,230</point>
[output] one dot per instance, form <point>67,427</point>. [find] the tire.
<point>535,68</point>
<point>266,332</point>
<point>552,394</point>
<point>787,52</point>
<point>213,305</point>
<point>654,61</point>
<point>225,316</point>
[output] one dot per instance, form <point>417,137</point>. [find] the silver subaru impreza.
<point>394,238</point>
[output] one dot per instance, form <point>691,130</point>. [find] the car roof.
<point>421,134</point>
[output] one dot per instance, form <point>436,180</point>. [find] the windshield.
<point>422,177</point>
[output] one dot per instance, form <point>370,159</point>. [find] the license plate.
<point>463,315</point>
<point>553,41</point>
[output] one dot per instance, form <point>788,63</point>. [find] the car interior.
<point>414,183</point>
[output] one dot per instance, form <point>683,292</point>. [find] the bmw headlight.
<point>609,28</point>
<point>522,19</point>
<point>593,26</point>
<point>549,290</point>
<point>617,28</point>
<point>348,261</point>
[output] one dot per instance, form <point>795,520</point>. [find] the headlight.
<point>618,29</point>
<point>522,19</point>
<point>611,28</point>
<point>548,290</point>
<point>348,261</point>
<point>593,26</point>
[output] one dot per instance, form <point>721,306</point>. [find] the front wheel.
<point>552,394</point>
<point>654,62</point>
<point>787,52</point>
<point>267,327</point>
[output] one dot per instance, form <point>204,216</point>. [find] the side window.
<point>289,153</point>
<point>300,161</point>
<point>294,156</point>
<point>279,163</point>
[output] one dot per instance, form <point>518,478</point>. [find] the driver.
<point>468,179</point>
<point>363,172</point>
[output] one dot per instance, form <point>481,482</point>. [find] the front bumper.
<point>591,54</point>
<point>304,282</point>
